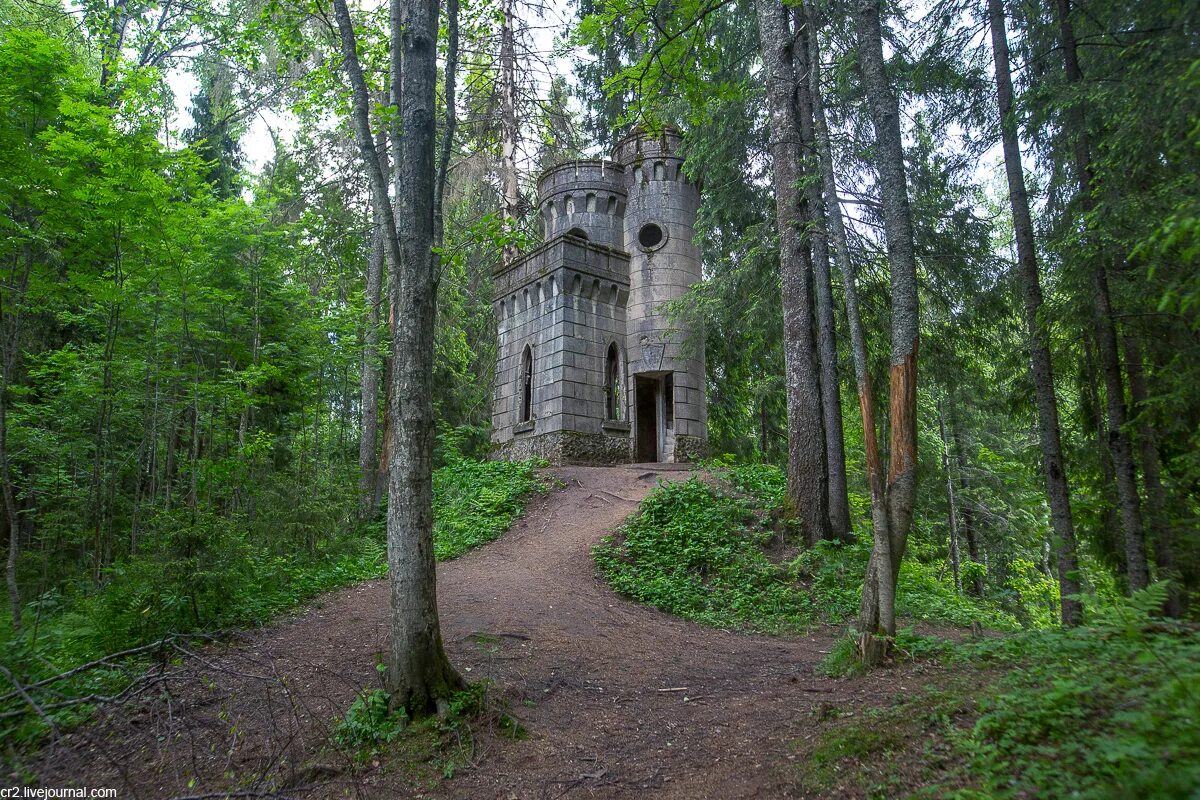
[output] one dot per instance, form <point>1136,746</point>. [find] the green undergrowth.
<point>476,501</point>
<point>209,574</point>
<point>1111,710</point>
<point>427,750</point>
<point>722,551</point>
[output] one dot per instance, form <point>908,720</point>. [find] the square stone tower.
<point>589,368</point>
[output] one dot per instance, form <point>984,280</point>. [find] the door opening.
<point>646,436</point>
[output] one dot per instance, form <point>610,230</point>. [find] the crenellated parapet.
<point>586,198</point>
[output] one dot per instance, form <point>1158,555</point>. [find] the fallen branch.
<point>20,690</point>
<point>112,657</point>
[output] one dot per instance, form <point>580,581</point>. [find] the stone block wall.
<point>660,194</point>
<point>576,309</point>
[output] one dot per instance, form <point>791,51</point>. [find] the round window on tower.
<point>651,236</point>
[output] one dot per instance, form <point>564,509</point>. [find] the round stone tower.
<point>666,370</point>
<point>586,198</point>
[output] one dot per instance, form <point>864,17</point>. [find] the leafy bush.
<point>698,551</point>
<point>1111,710</point>
<point>1106,711</point>
<point>476,501</point>
<point>369,722</point>
<point>843,661</point>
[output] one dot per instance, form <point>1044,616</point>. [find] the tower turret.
<point>584,197</point>
<point>667,377</point>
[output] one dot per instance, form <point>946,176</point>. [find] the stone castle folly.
<point>589,368</point>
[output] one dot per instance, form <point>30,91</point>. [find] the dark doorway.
<point>646,440</point>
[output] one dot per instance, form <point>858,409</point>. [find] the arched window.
<point>527,384</point>
<point>612,384</point>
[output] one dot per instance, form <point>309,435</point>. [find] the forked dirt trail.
<point>619,700</point>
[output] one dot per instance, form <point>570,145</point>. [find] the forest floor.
<point>616,699</point>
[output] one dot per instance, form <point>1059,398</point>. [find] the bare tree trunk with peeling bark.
<point>1041,367</point>
<point>806,471</point>
<point>878,614</point>
<point>875,477</point>
<point>418,676</point>
<point>841,251</point>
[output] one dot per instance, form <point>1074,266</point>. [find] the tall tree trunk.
<point>450,123</point>
<point>1041,366</point>
<point>1110,539</point>
<point>368,443</point>
<point>878,617</point>
<point>10,350</point>
<point>10,510</point>
<point>954,559</point>
<point>858,339</point>
<point>510,188</point>
<point>806,475</point>
<point>419,674</point>
<point>831,393</point>
<point>418,677</point>
<point>1156,494</point>
<point>966,508</point>
<point>1106,333</point>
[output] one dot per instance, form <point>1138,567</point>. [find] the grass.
<point>891,751</point>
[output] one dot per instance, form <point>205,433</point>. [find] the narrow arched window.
<point>612,384</point>
<point>527,385</point>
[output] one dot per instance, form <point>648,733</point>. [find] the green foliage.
<point>426,750</point>
<point>369,722</point>
<point>892,750</point>
<point>697,551</point>
<point>843,659</point>
<point>721,555</point>
<point>476,501</point>
<point>925,592</point>
<point>1104,711</point>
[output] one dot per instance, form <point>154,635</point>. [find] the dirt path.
<point>579,667</point>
